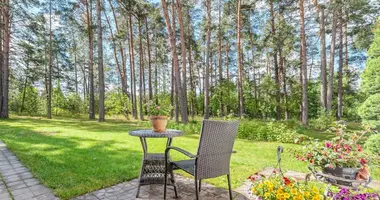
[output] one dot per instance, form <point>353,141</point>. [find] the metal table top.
<point>148,133</point>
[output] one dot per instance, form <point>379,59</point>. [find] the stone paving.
<point>17,183</point>
<point>127,190</point>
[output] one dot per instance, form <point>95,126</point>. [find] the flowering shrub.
<point>347,194</point>
<point>280,187</point>
<point>156,110</point>
<point>338,152</point>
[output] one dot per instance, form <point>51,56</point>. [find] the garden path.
<point>127,190</point>
<point>17,183</point>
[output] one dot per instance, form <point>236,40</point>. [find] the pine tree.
<point>370,109</point>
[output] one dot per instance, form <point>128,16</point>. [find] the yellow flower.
<point>316,197</point>
<point>267,194</point>
<point>280,191</point>
<point>278,196</point>
<point>315,190</point>
<point>294,191</point>
<point>307,194</point>
<point>296,198</point>
<point>286,195</point>
<point>254,190</point>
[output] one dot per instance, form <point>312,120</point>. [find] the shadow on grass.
<point>93,126</point>
<point>72,165</point>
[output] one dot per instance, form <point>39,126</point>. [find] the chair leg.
<point>173,180</point>
<point>196,189</point>
<point>165,178</point>
<point>229,186</point>
<point>138,191</point>
<point>200,185</point>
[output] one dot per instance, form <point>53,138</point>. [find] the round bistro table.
<point>153,164</point>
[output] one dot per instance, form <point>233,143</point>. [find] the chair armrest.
<point>188,154</point>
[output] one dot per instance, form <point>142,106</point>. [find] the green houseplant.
<point>158,116</point>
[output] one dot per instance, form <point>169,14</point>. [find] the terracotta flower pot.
<point>159,123</point>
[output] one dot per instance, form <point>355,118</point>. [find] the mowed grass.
<point>74,157</point>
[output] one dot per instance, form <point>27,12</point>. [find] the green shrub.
<point>323,122</point>
<point>193,127</point>
<point>251,130</point>
<point>373,144</point>
<point>272,131</point>
<point>370,109</point>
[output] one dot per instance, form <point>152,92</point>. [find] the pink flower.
<point>347,148</point>
<point>328,144</point>
<point>359,148</point>
<point>363,161</point>
<point>158,107</point>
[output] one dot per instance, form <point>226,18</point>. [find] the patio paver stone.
<point>17,182</point>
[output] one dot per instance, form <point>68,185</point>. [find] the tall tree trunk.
<point>303,66</point>
<point>75,68</point>
<point>91,110</point>
<point>221,106</point>
<point>185,118</point>
<point>340,69</point>
<point>49,99</point>
<point>24,88</point>
<point>345,32</point>
<point>240,67</point>
<point>84,83</point>
<point>322,34</point>
<point>276,71</point>
<point>174,109</point>
<point>1,58</point>
<point>132,66</point>
<point>191,68</point>
<point>149,60</point>
<point>283,71</point>
<point>207,70</point>
<point>100,61</point>
<point>119,68</point>
<point>228,62</point>
<point>122,69</point>
<point>156,92</point>
<point>174,84</point>
<point>330,89</point>
<point>141,68</point>
<point>253,64</point>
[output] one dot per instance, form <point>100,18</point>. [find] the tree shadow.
<point>72,165</point>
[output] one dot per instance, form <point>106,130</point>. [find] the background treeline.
<point>269,59</point>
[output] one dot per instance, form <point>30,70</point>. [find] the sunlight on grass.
<point>74,157</point>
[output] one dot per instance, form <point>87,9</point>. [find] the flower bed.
<point>280,187</point>
<point>347,194</point>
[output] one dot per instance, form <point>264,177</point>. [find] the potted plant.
<point>158,116</point>
<point>341,156</point>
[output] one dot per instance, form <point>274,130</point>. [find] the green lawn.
<point>74,157</point>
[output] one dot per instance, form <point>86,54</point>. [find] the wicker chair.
<point>213,157</point>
